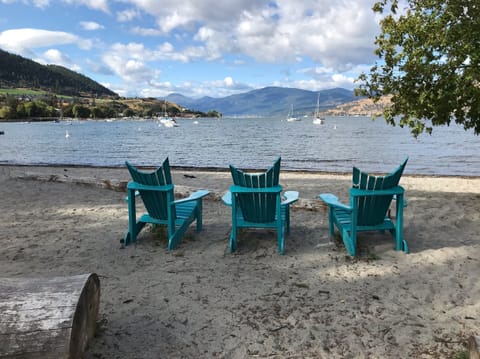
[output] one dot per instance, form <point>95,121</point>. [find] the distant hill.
<point>268,101</point>
<point>17,71</point>
<point>361,107</point>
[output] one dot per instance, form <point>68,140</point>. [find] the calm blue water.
<point>250,143</point>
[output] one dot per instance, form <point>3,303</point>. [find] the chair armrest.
<point>356,192</point>
<point>240,189</point>
<point>227,198</point>
<point>290,197</point>
<point>332,200</point>
<point>144,187</point>
<point>136,194</point>
<point>193,197</point>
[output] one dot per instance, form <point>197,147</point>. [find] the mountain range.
<point>268,101</point>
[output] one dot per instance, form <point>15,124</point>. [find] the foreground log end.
<point>85,317</point>
<point>48,317</point>
<point>474,347</point>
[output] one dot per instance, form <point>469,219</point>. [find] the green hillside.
<point>19,72</point>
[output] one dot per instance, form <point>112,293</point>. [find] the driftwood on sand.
<point>48,318</point>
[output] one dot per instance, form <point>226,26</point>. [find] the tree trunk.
<point>48,317</point>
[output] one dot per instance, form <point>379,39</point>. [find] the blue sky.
<point>196,47</point>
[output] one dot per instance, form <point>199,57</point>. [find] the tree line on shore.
<point>47,106</point>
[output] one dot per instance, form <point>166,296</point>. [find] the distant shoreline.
<point>69,119</point>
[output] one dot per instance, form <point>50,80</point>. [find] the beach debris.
<point>301,285</point>
<point>278,328</point>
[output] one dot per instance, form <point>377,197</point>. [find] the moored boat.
<point>166,120</point>
<point>291,117</point>
<point>317,119</point>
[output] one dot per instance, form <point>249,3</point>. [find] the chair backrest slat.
<point>155,202</point>
<point>257,207</point>
<point>373,209</point>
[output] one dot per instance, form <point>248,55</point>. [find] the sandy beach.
<point>200,301</point>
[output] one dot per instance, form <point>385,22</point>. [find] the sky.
<point>217,48</point>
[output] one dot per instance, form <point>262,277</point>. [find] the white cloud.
<point>101,5</point>
<point>91,25</point>
<point>228,81</point>
<point>166,47</point>
<point>128,15</point>
<point>146,31</point>
<point>22,41</point>
<point>338,34</point>
<point>215,88</point>
<point>157,89</point>
<point>130,63</point>
<point>133,50</point>
<point>54,56</point>
<point>41,3</point>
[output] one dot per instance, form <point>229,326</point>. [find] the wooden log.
<point>474,347</point>
<point>48,318</point>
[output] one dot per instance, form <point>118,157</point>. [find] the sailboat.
<point>317,119</point>
<point>291,117</point>
<point>166,120</point>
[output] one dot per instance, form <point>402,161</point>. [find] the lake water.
<point>336,146</point>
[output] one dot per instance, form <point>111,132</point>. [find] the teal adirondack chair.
<point>370,199</point>
<point>157,193</point>
<point>256,202</point>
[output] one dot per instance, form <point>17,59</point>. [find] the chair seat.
<point>183,212</point>
<point>241,222</point>
<point>343,219</point>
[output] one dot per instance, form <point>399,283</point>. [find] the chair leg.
<point>331,228</point>
<point>350,241</point>
<point>400,243</point>
<point>126,239</point>
<point>131,235</point>
<point>233,234</point>
<point>405,246</point>
<point>233,241</point>
<point>287,220</point>
<point>133,231</point>
<point>198,211</point>
<point>281,239</point>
